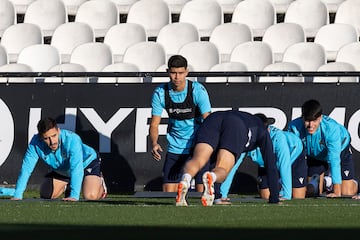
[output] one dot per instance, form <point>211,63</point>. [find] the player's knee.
<point>91,195</point>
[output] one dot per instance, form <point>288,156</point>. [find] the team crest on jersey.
<point>346,172</point>
<point>89,170</point>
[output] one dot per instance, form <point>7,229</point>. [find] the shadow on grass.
<point>39,232</point>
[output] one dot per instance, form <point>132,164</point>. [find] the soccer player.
<point>222,137</point>
<point>290,162</point>
<point>187,104</point>
<point>327,146</point>
<point>73,165</point>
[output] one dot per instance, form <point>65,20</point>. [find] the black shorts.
<point>93,168</point>
<point>298,173</point>
<point>222,131</point>
<point>173,168</point>
<point>347,165</point>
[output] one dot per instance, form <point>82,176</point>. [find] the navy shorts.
<point>93,168</point>
<point>347,165</point>
<point>173,168</point>
<point>227,132</point>
<point>298,173</point>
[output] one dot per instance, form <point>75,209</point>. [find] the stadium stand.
<point>147,56</point>
<point>336,67</point>
<point>348,12</point>
<point>175,35</point>
<point>281,35</point>
<point>227,35</point>
<point>311,15</point>
<point>201,55</point>
<point>16,67</point>
<point>3,56</point>
<point>282,67</point>
<point>255,55</point>
<point>151,14</point>
<point>308,55</point>
<point>99,14</point>
<point>120,67</point>
<point>333,36</point>
<point>162,68</point>
<point>7,15</point>
<point>123,6</point>
<point>228,67</point>
<point>47,14</point>
<point>94,56</point>
<point>350,53</point>
<point>325,22</point>
<point>332,5</point>
<point>67,67</point>
<point>69,35</point>
<point>18,36</point>
<point>281,5</point>
<point>119,37</point>
<point>21,5</point>
<point>228,6</point>
<point>72,6</point>
<point>40,57</point>
<point>204,14</point>
<point>176,6</point>
<point>257,14</point>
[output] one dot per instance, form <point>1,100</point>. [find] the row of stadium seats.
<point>173,36</point>
<point>175,6</point>
<point>202,56</point>
<point>204,14</point>
<point>229,66</point>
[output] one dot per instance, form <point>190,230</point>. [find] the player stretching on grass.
<point>290,161</point>
<point>222,137</point>
<point>327,145</point>
<point>69,161</point>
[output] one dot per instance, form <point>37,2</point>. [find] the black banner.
<point>114,119</point>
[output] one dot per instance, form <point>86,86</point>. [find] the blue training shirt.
<point>326,144</point>
<point>70,159</point>
<point>181,134</point>
<point>287,147</point>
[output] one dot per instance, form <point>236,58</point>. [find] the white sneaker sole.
<point>181,194</point>
<point>208,196</point>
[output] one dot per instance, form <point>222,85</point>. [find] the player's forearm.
<point>154,135</point>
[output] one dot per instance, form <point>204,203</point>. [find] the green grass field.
<point>128,217</point>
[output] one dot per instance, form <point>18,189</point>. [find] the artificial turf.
<point>129,217</point>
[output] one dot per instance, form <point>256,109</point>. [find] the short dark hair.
<point>46,124</point>
<point>311,110</point>
<point>177,61</point>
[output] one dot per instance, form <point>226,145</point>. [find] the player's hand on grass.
<point>332,195</point>
<point>357,197</point>
<point>15,199</point>
<point>69,199</point>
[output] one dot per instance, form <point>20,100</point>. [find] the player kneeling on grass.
<point>327,145</point>
<point>222,137</point>
<point>72,164</point>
